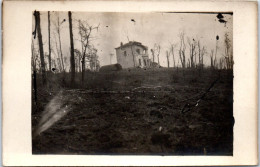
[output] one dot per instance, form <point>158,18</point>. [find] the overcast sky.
<point>148,28</point>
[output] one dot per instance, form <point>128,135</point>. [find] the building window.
<point>124,53</point>
<point>138,51</point>
<point>140,62</point>
<point>144,62</point>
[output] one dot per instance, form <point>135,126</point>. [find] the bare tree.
<point>38,29</point>
<point>212,58</point>
<point>221,63</point>
<point>201,53</point>
<point>228,53</point>
<point>192,46</point>
<point>215,59</point>
<point>49,40</point>
<point>92,58</point>
<point>72,59</point>
<point>182,49</point>
<point>172,48</point>
<point>46,59</point>
<point>58,30</point>
<point>85,31</point>
<point>188,63</point>
<point>58,56</point>
<point>35,57</point>
<point>167,56</point>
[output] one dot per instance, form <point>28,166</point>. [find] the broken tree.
<point>85,31</point>
<point>72,59</point>
<point>49,40</point>
<point>38,29</point>
<point>182,49</point>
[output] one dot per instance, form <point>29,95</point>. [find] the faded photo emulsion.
<point>118,83</point>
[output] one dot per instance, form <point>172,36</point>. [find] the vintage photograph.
<point>132,83</point>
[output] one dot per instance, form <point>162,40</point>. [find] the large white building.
<point>132,54</point>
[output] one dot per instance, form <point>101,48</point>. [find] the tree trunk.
<point>211,59</point>
<point>172,48</point>
<point>215,59</point>
<point>38,27</point>
<point>83,63</point>
<point>79,63</point>
<point>49,40</point>
<point>62,63</point>
<point>83,68</point>
<point>72,59</point>
<point>167,56</point>
<point>183,59</point>
<point>33,57</point>
<point>202,63</point>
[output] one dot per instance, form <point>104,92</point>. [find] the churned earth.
<point>138,111</point>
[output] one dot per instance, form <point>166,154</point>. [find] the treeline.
<point>54,61</point>
<point>189,53</point>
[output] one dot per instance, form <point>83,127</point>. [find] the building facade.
<point>132,54</point>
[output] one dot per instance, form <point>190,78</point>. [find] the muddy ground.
<point>139,111</point>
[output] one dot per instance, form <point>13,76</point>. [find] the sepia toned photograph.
<point>120,83</point>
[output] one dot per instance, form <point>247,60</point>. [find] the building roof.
<point>131,43</point>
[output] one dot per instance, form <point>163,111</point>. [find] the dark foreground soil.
<point>139,112</point>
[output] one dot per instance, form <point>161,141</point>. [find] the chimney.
<point>121,44</point>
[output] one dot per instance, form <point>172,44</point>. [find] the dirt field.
<point>139,111</point>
